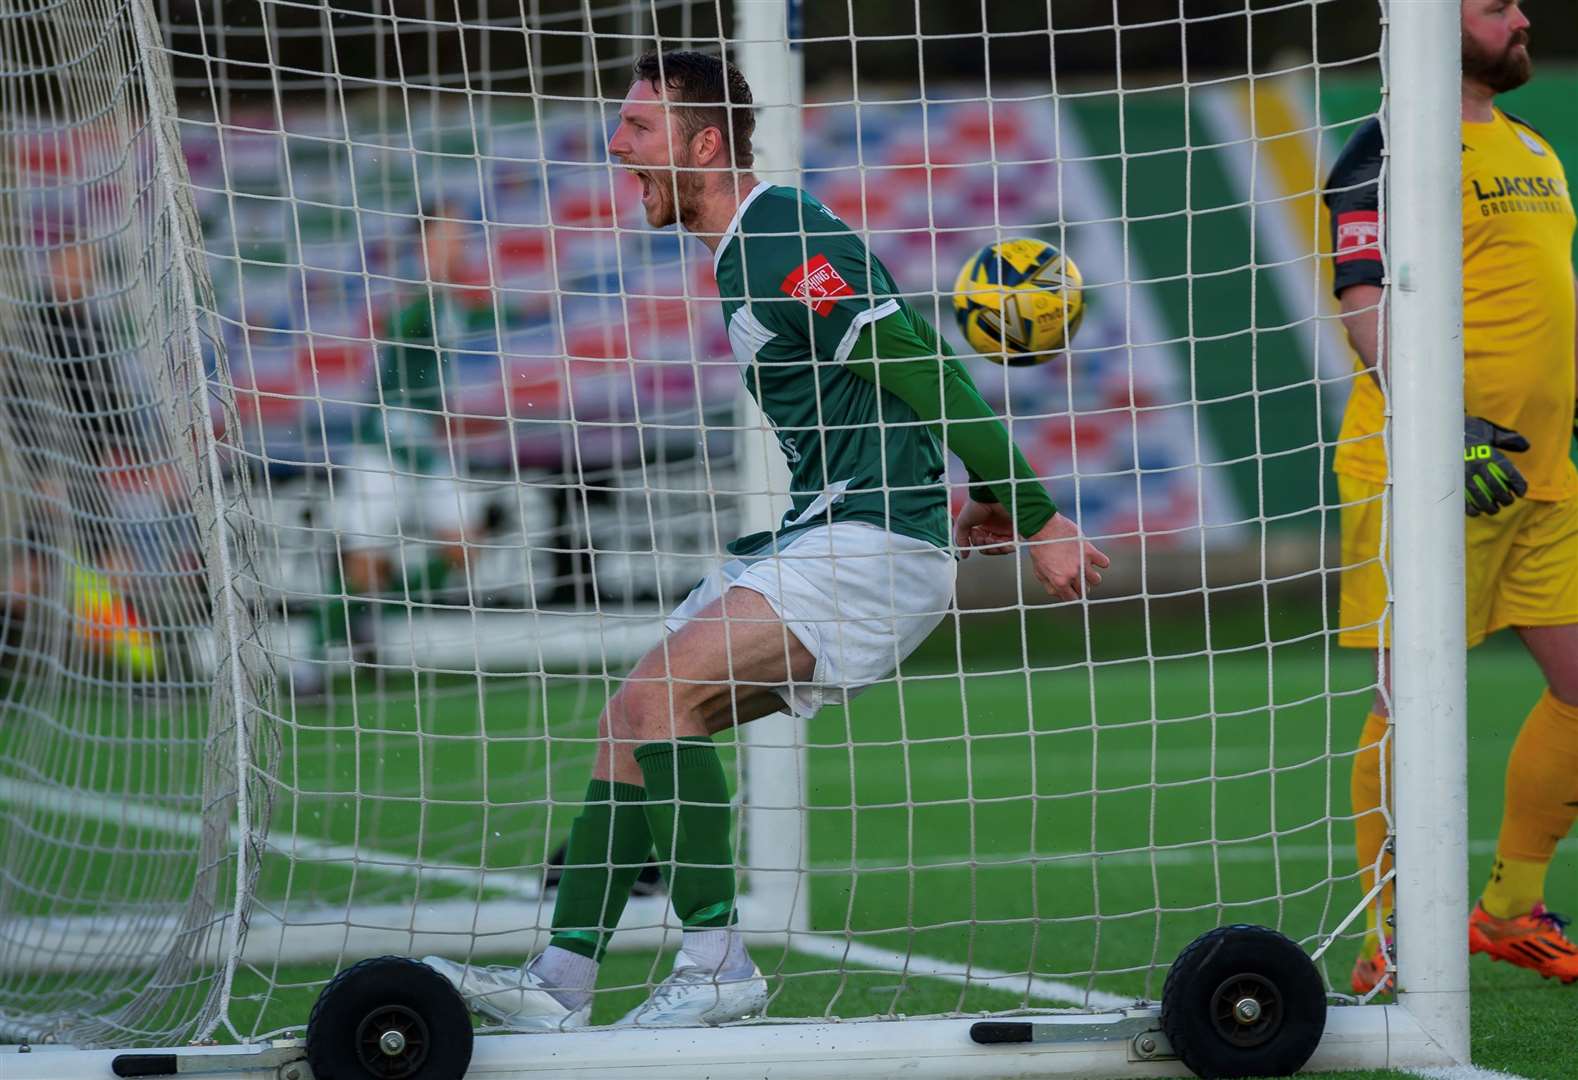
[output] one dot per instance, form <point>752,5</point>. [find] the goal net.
<point>135,741</point>
<point>358,434</point>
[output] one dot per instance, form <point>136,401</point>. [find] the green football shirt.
<point>798,286</point>
<point>414,352</point>
<point>416,359</point>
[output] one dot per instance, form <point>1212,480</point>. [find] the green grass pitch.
<point>957,817</point>
<point>954,817</point>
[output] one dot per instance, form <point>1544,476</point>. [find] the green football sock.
<point>609,844</point>
<point>688,813</point>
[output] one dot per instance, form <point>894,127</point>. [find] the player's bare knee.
<point>618,723</point>
<point>650,711</point>
<point>606,738</point>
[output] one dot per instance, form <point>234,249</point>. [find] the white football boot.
<point>513,996</point>
<point>693,995</point>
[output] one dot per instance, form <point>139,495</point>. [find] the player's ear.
<point>706,147</point>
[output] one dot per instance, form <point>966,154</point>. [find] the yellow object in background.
<point>107,622</point>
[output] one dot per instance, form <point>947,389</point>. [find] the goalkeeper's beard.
<point>1508,70</point>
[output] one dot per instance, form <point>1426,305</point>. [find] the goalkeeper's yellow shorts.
<point>1522,566</point>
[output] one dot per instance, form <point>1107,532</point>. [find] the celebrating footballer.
<point>864,398</point>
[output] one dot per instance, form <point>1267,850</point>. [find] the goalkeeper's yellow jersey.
<point>1518,305</point>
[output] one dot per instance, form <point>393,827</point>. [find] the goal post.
<point>441,430</point>
<point>1429,669</point>
<point>774,764</point>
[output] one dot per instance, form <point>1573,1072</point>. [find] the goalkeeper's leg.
<point>1362,615</point>
<point>1371,790</point>
<point>1512,922</point>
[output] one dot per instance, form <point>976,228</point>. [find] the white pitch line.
<point>1463,1072</point>
<point>129,813</point>
<point>926,967</point>
<point>135,814</point>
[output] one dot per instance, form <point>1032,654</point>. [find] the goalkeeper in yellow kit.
<point>1520,486</point>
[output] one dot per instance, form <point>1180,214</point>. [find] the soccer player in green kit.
<point>863,397</point>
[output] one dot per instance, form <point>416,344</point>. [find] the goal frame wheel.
<point>1243,1001</point>
<point>389,1018</point>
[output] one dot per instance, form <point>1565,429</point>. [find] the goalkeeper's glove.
<point>1490,481</point>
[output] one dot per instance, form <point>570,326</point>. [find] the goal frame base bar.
<point>1357,1037</point>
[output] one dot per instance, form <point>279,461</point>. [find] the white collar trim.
<point>734,225</point>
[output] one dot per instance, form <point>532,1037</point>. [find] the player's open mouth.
<point>646,184</point>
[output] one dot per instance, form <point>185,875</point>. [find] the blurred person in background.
<point>79,408</point>
<point>399,510</point>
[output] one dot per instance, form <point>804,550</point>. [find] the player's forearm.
<point>975,435</point>
<point>998,469</point>
<point>940,390</point>
<point>1361,318</point>
<point>979,491</point>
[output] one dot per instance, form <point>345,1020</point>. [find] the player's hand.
<point>1065,564</point>
<point>984,527</point>
<point>1490,480</point>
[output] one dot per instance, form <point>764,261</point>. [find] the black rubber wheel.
<point>1243,1001</point>
<point>389,1018</point>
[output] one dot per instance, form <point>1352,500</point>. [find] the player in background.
<point>1520,485</point>
<point>401,511</point>
<point>864,398</point>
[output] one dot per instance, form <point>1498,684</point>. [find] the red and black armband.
<point>1353,192</point>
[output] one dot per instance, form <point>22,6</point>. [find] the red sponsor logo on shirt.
<point>1358,235</point>
<point>817,285</point>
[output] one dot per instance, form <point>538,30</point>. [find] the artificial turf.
<point>1078,819</point>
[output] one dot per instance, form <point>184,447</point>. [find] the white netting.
<point>488,419</point>
<point>135,685</point>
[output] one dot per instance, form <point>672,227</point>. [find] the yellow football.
<point>1019,301</point>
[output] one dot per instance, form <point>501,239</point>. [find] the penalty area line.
<point>1462,1072</point>
<point>912,965</point>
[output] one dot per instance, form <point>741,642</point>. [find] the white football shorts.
<point>859,598</point>
<point>380,504</point>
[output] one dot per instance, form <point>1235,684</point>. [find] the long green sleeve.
<point>905,357</point>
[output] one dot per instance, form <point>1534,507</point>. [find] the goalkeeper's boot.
<point>1535,941</point>
<point>693,995</point>
<point>1369,971</point>
<point>512,996</point>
